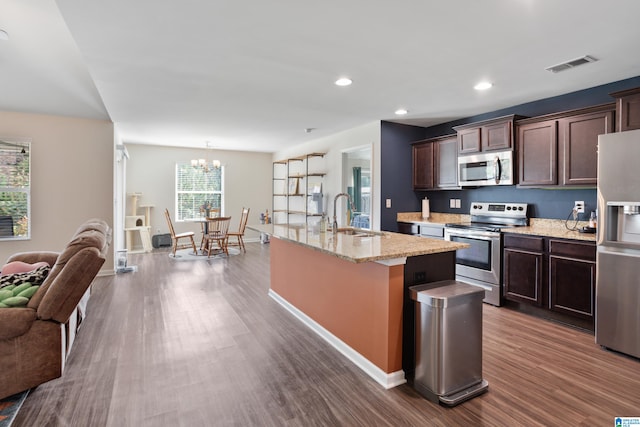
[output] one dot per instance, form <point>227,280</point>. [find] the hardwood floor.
<point>200,344</point>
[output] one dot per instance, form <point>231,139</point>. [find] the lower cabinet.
<point>523,279</point>
<point>408,228</point>
<point>572,278</point>
<point>556,275</point>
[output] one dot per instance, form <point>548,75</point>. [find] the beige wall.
<point>151,171</point>
<point>71,177</point>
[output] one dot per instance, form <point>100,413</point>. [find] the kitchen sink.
<point>358,232</point>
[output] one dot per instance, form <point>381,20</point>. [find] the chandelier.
<point>204,163</point>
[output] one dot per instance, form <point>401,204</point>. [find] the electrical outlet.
<point>458,203</point>
<point>452,203</point>
<point>388,203</point>
<point>579,206</point>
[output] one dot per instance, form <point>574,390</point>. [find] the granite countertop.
<point>537,226</point>
<point>377,247</point>
<point>435,218</point>
<point>553,228</point>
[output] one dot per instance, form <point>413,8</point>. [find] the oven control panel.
<point>510,210</point>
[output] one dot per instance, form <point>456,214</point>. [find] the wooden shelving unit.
<point>279,189</point>
<point>295,183</point>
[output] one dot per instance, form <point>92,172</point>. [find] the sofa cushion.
<point>21,267</point>
<point>35,277</point>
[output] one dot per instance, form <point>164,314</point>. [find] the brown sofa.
<point>35,340</point>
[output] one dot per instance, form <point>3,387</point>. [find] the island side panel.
<point>360,303</point>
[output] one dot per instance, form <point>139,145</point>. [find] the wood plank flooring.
<point>201,344</point>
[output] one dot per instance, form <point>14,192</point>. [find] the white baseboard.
<point>384,379</point>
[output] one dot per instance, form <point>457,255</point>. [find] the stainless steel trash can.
<point>448,341</point>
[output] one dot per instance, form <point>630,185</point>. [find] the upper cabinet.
<point>435,163</point>
<point>627,109</point>
<point>423,165</point>
<point>578,154</point>
<point>488,135</point>
<point>538,153</point>
<point>562,149</point>
<point>446,155</point>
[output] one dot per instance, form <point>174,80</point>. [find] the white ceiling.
<point>252,75</point>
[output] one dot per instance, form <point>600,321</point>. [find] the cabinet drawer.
<point>573,249</point>
<point>435,232</point>
<point>524,242</point>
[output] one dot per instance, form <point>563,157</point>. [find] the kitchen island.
<point>351,288</point>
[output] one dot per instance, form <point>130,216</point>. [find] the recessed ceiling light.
<point>343,81</point>
<point>483,86</point>
<point>401,111</point>
<point>4,35</point>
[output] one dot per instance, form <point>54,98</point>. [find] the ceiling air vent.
<point>571,64</point>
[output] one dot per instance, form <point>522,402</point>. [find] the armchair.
<point>35,340</point>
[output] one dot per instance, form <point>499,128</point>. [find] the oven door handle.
<point>497,169</point>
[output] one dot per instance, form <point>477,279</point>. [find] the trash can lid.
<point>446,293</point>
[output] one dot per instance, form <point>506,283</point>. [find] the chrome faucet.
<point>335,218</point>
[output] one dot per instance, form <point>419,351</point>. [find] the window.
<point>15,189</point>
<point>197,188</point>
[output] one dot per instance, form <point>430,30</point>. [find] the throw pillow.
<point>21,267</point>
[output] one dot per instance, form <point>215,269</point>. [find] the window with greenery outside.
<point>15,185</point>
<point>198,190</point>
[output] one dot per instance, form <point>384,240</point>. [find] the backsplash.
<point>554,204</point>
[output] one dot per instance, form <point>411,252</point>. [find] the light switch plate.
<point>458,203</point>
<point>452,203</point>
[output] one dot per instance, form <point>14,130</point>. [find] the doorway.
<point>357,182</point>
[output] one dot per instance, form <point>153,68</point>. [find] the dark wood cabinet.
<point>523,274</point>
<point>469,140</point>
<point>572,277</point>
<point>497,136</point>
<point>538,153</point>
<point>556,276</point>
<point>562,149</point>
<point>435,163</point>
<point>446,155</point>
<point>627,109</point>
<point>408,228</point>
<point>578,150</point>
<point>423,166</point>
<point>488,135</point>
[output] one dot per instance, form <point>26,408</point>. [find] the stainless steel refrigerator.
<point>618,255</point>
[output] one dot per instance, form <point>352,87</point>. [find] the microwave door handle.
<point>497,169</point>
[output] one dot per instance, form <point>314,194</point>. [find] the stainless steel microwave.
<point>494,168</point>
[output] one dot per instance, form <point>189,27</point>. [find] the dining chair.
<point>240,233</point>
<point>204,224</point>
<point>175,238</point>
<point>218,235</point>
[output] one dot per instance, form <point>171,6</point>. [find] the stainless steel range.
<point>481,263</point>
